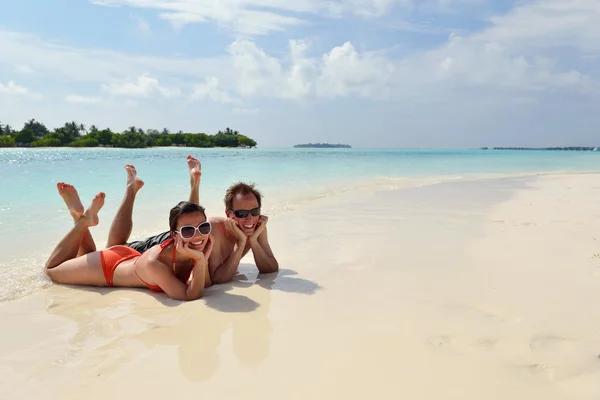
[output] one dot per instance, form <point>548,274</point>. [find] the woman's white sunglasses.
<point>188,231</point>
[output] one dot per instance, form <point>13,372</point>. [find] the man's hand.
<point>259,243</point>
<point>234,230</point>
<point>260,227</point>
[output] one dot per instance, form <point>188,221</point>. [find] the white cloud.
<point>255,16</point>
<point>24,70</point>
<point>67,65</point>
<point>210,89</point>
<point>518,56</point>
<point>74,98</point>
<point>548,24</point>
<point>12,89</point>
<point>341,72</point>
<point>143,26</point>
<point>144,86</point>
<point>246,111</point>
<point>526,101</point>
<point>510,55</point>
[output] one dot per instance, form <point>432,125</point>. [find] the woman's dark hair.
<point>183,208</point>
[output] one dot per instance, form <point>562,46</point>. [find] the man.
<point>243,230</point>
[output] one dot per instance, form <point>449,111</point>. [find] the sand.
<point>466,290</point>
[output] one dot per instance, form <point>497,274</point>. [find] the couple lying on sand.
<point>195,253</point>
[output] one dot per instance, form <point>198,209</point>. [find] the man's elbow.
<point>219,279</point>
<point>269,268</point>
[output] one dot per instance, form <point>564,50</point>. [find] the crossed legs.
<point>75,259</point>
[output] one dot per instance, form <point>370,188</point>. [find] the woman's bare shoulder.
<point>151,258</point>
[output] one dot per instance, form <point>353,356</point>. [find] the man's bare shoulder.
<point>220,221</point>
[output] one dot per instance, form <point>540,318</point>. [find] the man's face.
<point>242,205</point>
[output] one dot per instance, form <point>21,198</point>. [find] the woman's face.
<point>188,226</point>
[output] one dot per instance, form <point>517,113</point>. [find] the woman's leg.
<point>84,270</point>
<point>122,224</point>
<point>63,262</point>
<point>71,198</point>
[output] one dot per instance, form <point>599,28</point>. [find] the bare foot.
<point>90,216</point>
<point>133,182</point>
<point>71,198</point>
<point>195,170</point>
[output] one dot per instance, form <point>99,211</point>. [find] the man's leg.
<point>73,202</point>
<point>195,173</point>
<point>122,224</point>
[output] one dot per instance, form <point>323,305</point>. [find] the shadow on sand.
<point>282,280</point>
<point>195,333</point>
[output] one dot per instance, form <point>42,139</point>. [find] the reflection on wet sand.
<point>112,327</point>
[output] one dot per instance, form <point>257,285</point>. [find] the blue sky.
<point>371,73</point>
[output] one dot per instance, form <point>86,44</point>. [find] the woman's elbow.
<point>194,296</point>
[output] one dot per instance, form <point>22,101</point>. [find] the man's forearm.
<point>226,271</point>
<point>264,263</point>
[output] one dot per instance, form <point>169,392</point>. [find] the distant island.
<point>324,146</point>
<point>73,134</point>
<point>571,148</point>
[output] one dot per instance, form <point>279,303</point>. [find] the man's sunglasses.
<point>188,231</point>
<point>244,213</point>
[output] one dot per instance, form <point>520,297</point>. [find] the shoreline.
<point>24,282</point>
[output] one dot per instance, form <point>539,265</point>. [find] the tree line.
<point>73,134</point>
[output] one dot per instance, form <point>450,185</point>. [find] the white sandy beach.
<point>466,290</point>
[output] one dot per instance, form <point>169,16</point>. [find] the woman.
<point>178,266</point>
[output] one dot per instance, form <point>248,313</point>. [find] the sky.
<point>369,73</point>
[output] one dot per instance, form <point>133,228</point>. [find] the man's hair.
<point>243,189</point>
<point>181,209</point>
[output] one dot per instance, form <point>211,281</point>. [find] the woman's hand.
<point>184,248</point>
<point>208,247</point>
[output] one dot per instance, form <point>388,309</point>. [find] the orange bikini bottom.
<point>112,257</point>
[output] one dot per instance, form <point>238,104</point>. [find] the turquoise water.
<point>33,216</point>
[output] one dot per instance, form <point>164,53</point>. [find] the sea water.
<point>33,217</point>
